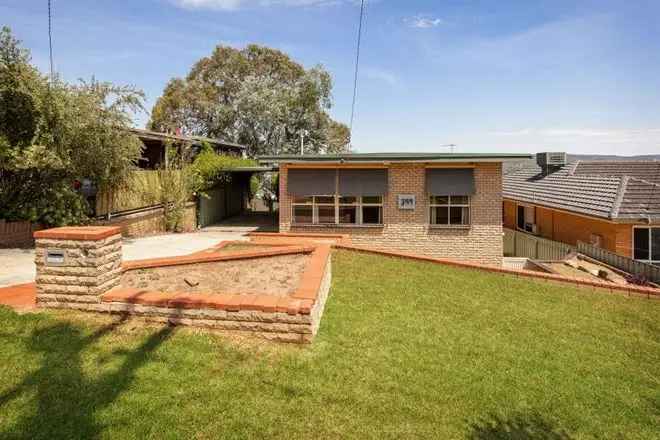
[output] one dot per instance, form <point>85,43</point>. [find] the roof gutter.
<point>391,160</point>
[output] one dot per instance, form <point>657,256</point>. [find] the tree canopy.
<point>256,96</point>
<point>53,134</point>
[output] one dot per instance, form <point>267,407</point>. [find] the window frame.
<point>449,205</point>
<point>362,205</point>
<point>358,204</point>
<point>649,260</point>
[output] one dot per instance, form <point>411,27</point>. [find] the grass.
<point>406,349</point>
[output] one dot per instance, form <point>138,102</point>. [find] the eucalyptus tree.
<point>257,96</point>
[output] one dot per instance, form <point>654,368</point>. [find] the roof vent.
<point>550,161</point>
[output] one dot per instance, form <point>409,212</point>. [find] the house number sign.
<point>407,201</point>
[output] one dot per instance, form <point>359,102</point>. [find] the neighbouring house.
<point>611,204</point>
<point>441,205</point>
<point>154,143</point>
<point>137,217</point>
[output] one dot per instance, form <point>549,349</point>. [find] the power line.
<point>357,64</point>
<point>50,41</point>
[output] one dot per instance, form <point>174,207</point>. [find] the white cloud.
<point>229,5</point>
<point>378,74</point>
<point>423,21</point>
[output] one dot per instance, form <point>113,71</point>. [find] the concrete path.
<point>252,222</point>
<point>17,265</point>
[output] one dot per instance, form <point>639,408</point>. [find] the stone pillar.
<point>76,265</point>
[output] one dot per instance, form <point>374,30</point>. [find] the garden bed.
<point>275,292</point>
<point>279,276</point>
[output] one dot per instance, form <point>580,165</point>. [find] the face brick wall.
<point>407,230</point>
<point>569,228</point>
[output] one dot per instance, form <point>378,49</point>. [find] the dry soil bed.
<point>272,275</point>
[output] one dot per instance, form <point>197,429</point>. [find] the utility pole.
<point>451,147</point>
<point>302,141</point>
<point>50,42</point>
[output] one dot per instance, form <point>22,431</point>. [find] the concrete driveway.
<point>17,265</point>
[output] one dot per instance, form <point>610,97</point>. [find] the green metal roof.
<point>257,169</point>
<point>395,157</point>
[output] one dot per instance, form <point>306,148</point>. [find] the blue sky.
<point>507,76</point>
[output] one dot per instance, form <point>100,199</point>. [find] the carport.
<point>228,203</point>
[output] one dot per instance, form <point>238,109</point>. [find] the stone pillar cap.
<point>78,233</point>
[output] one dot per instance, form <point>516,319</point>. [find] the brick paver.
<point>19,296</point>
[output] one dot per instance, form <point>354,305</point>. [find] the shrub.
<point>212,168</point>
<point>53,133</point>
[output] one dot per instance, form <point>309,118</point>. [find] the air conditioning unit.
<point>551,160</point>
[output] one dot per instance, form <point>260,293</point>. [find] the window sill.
<point>450,226</point>
<point>334,226</point>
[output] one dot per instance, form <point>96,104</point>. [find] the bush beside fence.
<point>141,190</point>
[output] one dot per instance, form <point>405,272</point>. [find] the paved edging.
<point>19,296</point>
<point>209,257</point>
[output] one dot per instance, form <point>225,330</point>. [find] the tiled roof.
<point>648,170</point>
<point>606,189</point>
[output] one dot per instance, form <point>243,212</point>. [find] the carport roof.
<point>258,169</point>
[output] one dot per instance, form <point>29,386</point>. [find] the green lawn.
<point>406,349</point>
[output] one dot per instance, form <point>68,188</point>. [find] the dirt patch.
<point>579,268</point>
<point>242,247</point>
<point>278,276</point>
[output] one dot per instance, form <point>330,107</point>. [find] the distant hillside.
<point>574,157</point>
<point>513,166</point>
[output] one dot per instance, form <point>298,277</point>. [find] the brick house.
<point>442,205</point>
<point>611,204</point>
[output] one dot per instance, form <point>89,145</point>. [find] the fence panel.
<point>509,243</point>
<point>212,208</point>
<point>620,262</point>
<point>141,190</point>
<point>520,244</point>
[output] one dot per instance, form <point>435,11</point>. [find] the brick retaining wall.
<point>80,268</point>
<point>150,222</point>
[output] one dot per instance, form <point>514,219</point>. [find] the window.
<point>342,210</point>
<point>450,210</point>
<point>348,210</point>
<point>372,210</point>
<point>646,245</point>
<point>324,209</point>
<point>303,211</point>
<point>521,217</point>
<point>526,218</point>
